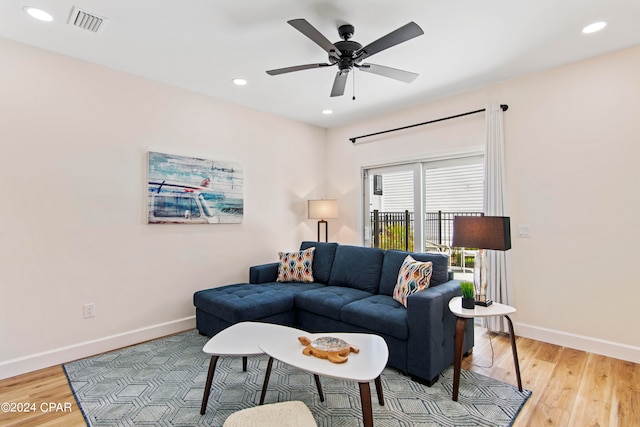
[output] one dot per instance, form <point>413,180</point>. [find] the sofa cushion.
<point>379,313</point>
<point>244,302</point>
<point>322,259</point>
<point>329,300</point>
<point>357,267</point>
<point>394,259</point>
<point>414,276</point>
<point>296,266</point>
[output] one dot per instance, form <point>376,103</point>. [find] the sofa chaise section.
<point>270,302</point>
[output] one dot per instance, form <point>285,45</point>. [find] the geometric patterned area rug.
<point>161,382</point>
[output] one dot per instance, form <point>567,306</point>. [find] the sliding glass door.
<point>411,206</point>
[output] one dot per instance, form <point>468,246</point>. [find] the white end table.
<point>362,367</point>
<point>462,314</point>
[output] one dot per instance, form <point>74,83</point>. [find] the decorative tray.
<point>329,344</point>
<point>333,349</point>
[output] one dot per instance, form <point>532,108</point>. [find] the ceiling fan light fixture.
<point>38,14</point>
<point>347,54</point>
<point>239,82</point>
<point>594,27</point>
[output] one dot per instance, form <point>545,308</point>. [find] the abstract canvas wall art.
<point>190,190</point>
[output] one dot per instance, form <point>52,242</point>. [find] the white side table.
<point>462,314</point>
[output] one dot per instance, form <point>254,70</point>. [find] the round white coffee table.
<point>240,339</point>
<point>363,367</point>
<point>462,314</point>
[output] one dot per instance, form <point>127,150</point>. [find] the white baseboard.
<point>22,365</point>
<point>34,362</point>
<point>579,342</point>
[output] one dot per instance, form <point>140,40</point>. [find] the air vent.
<point>85,20</point>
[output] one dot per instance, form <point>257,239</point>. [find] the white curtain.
<point>494,205</point>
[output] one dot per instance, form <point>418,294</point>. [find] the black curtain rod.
<point>504,107</point>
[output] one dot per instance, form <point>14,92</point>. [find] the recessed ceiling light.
<point>327,112</point>
<point>38,14</point>
<point>595,27</point>
<point>239,82</point>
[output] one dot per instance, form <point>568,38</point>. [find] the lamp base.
<point>480,279</point>
<point>326,230</point>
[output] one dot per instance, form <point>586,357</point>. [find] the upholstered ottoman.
<point>282,414</point>
<point>219,308</point>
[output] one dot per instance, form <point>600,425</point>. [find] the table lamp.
<point>323,210</point>
<point>481,232</point>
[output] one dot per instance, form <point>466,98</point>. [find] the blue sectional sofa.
<point>352,292</point>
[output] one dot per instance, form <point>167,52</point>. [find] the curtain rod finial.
<point>504,107</point>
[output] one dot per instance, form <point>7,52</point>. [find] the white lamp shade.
<point>323,209</point>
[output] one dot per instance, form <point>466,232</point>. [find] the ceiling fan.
<point>347,54</point>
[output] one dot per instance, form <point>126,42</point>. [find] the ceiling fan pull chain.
<point>354,85</point>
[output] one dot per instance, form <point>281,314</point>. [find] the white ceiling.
<point>201,45</point>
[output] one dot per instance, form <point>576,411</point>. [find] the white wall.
<point>73,143</point>
<point>572,139</point>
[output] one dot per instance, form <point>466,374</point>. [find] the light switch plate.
<point>524,231</point>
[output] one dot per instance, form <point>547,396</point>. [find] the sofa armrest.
<point>432,329</point>
<point>263,273</point>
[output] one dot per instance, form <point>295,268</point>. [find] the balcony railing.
<point>394,230</point>
<point>439,225</point>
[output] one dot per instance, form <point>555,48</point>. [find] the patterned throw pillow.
<point>296,266</point>
<point>414,276</point>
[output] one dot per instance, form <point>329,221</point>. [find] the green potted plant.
<point>467,294</point>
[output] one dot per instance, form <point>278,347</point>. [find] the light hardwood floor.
<point>570,387</point>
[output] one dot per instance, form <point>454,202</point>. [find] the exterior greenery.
<point>393,237</point>
<point>456,259</point>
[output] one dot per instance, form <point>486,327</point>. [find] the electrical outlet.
<point>89,310</point>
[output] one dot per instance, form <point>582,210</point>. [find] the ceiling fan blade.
<point>339,83</point>
<point>402,34</point>
<point>295,68</point>
<point>316,36</point>
<point>394,73</point>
